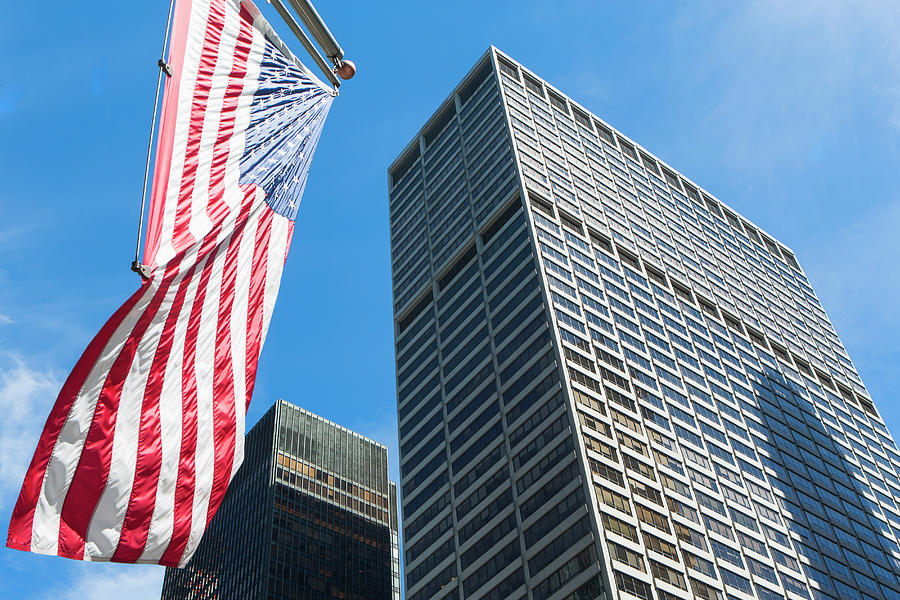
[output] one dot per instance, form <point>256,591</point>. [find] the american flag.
<point>148,429</point>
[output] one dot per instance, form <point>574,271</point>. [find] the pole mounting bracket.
<point>142,270</point>
<point>165,67</point>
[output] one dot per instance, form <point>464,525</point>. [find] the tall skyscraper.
<point>310,515</point>
<point>610,384</point>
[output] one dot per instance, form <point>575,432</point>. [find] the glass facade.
<point>310,514</point>
<point>610,384</point>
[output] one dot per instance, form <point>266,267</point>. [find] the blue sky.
<point>787,111</point>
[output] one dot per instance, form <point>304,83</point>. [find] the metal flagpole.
<point>344,69</point>
<point>304,39</point>
<point>319,30</point>
<point>164,68</point>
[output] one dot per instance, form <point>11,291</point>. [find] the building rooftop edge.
<point>330,422</point>
<point>484,56</point>
<point>642,147</point>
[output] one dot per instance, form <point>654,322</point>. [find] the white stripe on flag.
<point>194,47</point>
<point>238,335</point>
<point>277,253</point>
<point>106,524</point>
<point>200,223</point>
<point>240,310</point>
<point>205,358</point>
<point>242,120</point>
<point>171,419</point>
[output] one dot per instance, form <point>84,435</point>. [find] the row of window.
<point>685,258</point>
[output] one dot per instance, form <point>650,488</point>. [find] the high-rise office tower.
<point>610,384</point>
<point>309,515</point>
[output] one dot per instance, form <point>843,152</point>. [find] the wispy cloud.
<point>783,74</point>
<point>5,320</point>
<point>21,233</point>
<point>134,582</point>
<point>26,394</point>
<point>27,391</point>
<point>853,274</point>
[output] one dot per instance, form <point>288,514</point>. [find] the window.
<point>705,591</point>
<point>635,587</point>
<point>689,536</point>
<point>667,574</point>
<point>557,547</point>
<point>564,574</point>
<point>727,553</point>
<point>699,564</point>
<point>606,472</point>
<point>620,527</point>
<point>649,163</point>
<point>534,85</point>
<point>736,581</point>
<point>675,485</point>
<point>652,518</point>
<point>614,499</point>
<point>641,489</point>
<point>542,205</point>
<point>582,118</point>
<point>600,240</point>
<point>692,193</point>
<point>508,68</point>
<point>571,223</point>
<point>661,546</point>
<point>671,178</point>
<point>626,556</point>
<point>558,103</point>
<point>605,133</point>
<point>717,526</point>
<point>680,508</point>
<point>627,149</point>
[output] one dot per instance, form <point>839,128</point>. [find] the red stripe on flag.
<point>256,298</point>
<point>181,235</point>
<point>217,208</point>
<point>90,475</point>
<point>224,401</point>
<point>287,242</point>
<point>21,523</point>
<point>184,488</point>
<point>224,422</point>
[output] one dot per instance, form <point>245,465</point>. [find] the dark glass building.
<point>611,384</point>
<point>309,515</point>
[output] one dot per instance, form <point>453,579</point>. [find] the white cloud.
<point>5,320</point>
<point>26,394</point>
<point>134,582</point>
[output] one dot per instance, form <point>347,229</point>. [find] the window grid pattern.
<point>718,407</point>
<point>309,514</point>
